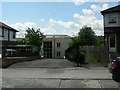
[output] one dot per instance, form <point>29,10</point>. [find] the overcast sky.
<point>54,17</point>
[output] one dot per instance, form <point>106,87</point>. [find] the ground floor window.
<point>112,43</point>
<point>58,53</point>
<point>112,40</point>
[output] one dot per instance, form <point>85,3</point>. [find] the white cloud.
<point>58,0</point>
<point>22,27</point>
<point>68,27</point>
<point>95,7</point>
<point>79,2</point>
<point>105,6</point>
<point>64,23</point>
<point>52,22</point>
<point>70,32</point>
<point>87,12</point>
<point>98,8</point>
<point>48,30</point>
<point>88,18</point>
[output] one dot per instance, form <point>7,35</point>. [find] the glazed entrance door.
<point>47,48</point>
<point>112,43</point>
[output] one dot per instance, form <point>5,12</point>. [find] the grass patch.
<point>91,59</point>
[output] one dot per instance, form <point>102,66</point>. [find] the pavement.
<point>44,63</point>
<point>56,73</point>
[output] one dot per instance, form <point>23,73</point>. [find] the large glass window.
<point>47,47</point>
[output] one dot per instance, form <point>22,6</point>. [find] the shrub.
<point>82,57</point>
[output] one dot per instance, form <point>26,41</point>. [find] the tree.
<point>75,41</point>
<point>100,40</point>
<point>34,37</point>
<point>87,36</point>
<point>21,41</point>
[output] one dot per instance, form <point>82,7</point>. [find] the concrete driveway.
<point>55,73</point>
<point>44,63</point>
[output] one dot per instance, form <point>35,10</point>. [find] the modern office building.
<point>54,46</point>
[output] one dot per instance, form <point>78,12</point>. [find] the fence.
<point>20,51</point>
<point>99,52</point>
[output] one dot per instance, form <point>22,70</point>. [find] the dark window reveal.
<point>58,53</point>
<point>112,40</point>
<point>14,35</point>
<point>112,19</point>
<point>58,44</point>
<point>3,31</point>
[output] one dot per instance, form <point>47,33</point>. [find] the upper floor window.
<point>112,19</point>
<point>14,34</point>
<point>58,45</point>
<point>3,31</point>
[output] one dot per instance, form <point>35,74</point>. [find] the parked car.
<point>10,52</point>
<point>114,69</point>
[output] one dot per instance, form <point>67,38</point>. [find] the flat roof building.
<point>54,46</point>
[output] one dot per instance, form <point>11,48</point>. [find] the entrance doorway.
<point>47,49</point>
<point>112,43</point>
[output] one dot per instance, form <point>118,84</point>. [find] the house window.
<point>3,31</point>
<point>112,19</point>
<point>58,45</point>
<point>14,35</point>
<point>112,40</point>
<point>0,33</point>
<point>58,53</point>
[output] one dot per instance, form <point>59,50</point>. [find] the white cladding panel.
<point>107,19</point>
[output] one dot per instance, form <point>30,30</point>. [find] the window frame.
<point>112,18</point>
<point>14,34</point>
<point>58,54</point>
<point>58,44</point>
<point>3,32</point>
<point>112,48</point>
<point>112,41</point>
